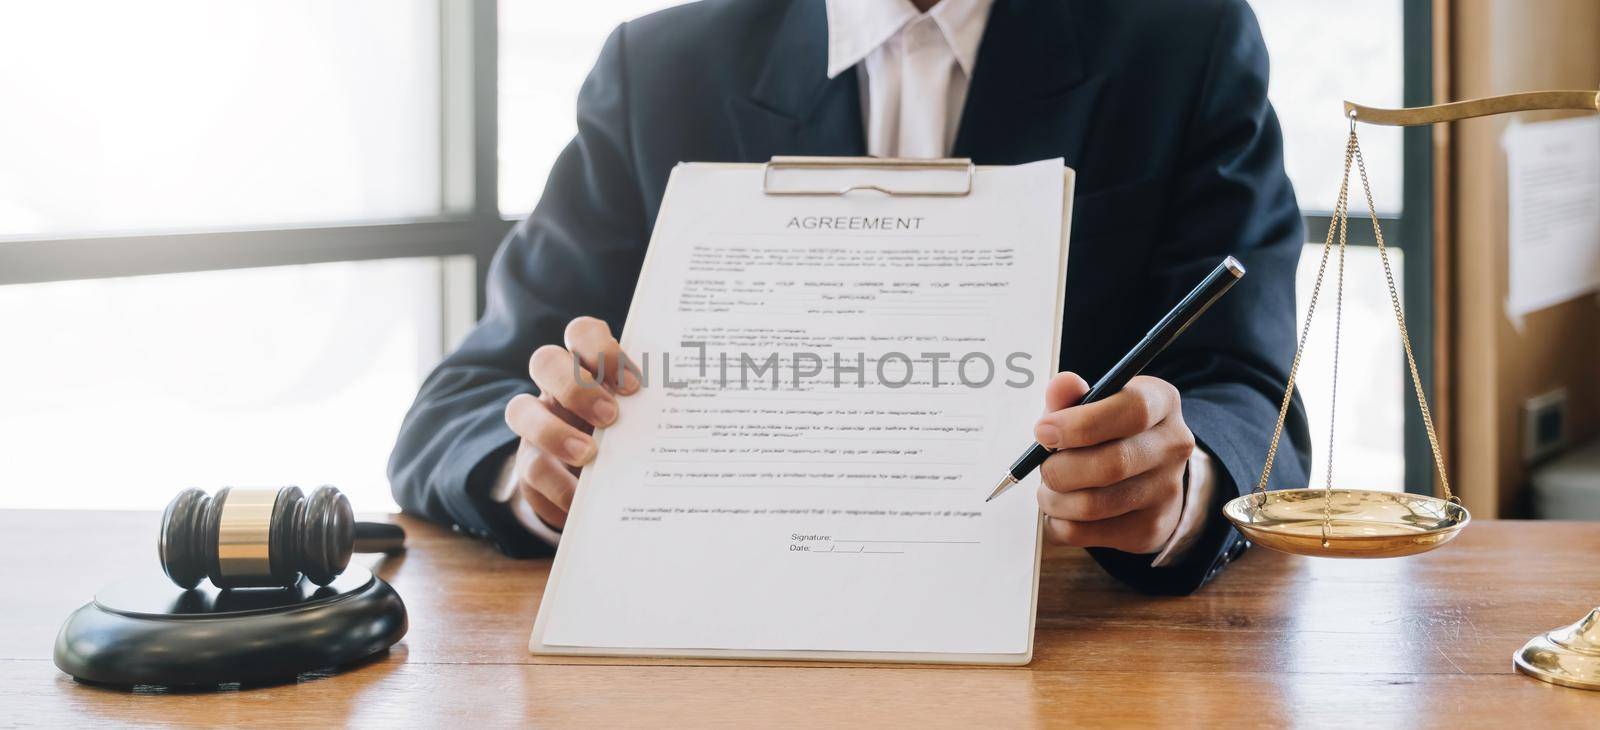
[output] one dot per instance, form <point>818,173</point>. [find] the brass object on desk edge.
<point>1568,656</point>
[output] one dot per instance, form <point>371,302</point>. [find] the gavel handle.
<point>379,537</point>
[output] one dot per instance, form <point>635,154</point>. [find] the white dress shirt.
<point>914,70</point>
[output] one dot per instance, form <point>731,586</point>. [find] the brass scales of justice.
<point>1357,523</point>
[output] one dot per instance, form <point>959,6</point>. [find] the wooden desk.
<point>1423,641</point>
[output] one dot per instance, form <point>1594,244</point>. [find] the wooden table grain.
<point>1277,640</point>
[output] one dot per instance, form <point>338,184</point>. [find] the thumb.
<point>1064,390</point>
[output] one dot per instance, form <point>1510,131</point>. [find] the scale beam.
<point>1528,101</point>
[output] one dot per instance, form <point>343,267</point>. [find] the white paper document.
<point>1553,198</point>
<point>833,385</point>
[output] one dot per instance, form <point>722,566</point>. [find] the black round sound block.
<point>148,631</point>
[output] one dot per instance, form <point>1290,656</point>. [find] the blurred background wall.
<point>1498,363</point>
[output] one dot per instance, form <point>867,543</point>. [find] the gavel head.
<point>256,537</point>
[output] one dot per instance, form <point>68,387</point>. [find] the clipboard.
<point>887,176</point>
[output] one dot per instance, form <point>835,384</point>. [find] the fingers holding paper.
<point>551,429</point>
<point>1117,477</point>
<point>579,387</point>
<point>546,483</point>
<point>591,342</point>
<point>559,375</point>
<point>555,445</point>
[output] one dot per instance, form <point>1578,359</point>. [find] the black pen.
<point>1216,283</point>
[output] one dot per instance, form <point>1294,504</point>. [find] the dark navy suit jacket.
<point>1160,106</point>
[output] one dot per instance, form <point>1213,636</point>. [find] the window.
<point>1323,55</point>
<point>252,377</point>
<point>179,115</point>
<point>1377,53</point>
<point>1373,392</point>
<point>233,239</point>
<point>544,58</point>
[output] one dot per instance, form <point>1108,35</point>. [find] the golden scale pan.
<point>1359,523</point>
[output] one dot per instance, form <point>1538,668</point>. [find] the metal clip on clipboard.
<point>892,167</point>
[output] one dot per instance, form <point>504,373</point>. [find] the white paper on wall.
<point>1553,216</point>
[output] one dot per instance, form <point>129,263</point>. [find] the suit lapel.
<point>1031,96</point>
<point>794,108</point>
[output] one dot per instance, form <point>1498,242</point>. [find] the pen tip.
<point>1000,488</point>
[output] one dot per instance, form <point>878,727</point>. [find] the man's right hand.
<point>555,426</point>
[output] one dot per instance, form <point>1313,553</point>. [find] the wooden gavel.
<point>244,538</point>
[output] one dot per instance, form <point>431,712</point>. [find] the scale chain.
<point>1333,389</point>
<point>1340,223</point>
<point>1338,326</point>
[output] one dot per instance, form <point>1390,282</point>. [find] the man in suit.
<point>1161,108</point>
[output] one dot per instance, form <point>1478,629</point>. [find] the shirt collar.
<point>858,27</point>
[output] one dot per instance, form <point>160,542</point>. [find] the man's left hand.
<point>1117,477</point>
